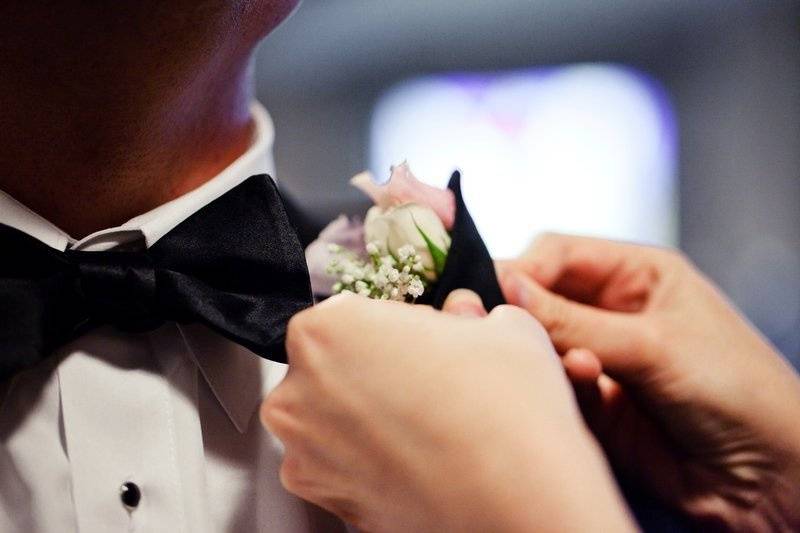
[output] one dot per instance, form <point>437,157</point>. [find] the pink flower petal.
<point>403,188</point>
<point>379,194</point>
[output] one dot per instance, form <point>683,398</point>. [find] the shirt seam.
<point>176,481</point>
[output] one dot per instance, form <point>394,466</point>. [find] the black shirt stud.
<point>130,494</point>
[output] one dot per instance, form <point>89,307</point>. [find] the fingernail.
<point>502,280</point>
<point>520,291</point>
<point>465,303</point>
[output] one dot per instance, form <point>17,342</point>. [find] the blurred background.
<point>673,122</point>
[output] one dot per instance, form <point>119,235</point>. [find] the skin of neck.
<point>110,109</point>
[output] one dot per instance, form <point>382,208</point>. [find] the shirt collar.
<point>237,377</point>
<point>16,215</point>
<point>158,222</point>
<point>229,369</point>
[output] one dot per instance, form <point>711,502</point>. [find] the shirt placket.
<point>121,436</point>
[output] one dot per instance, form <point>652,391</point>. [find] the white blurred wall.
<point>731,68</point>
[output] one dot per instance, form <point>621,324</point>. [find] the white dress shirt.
<point>174,411</point>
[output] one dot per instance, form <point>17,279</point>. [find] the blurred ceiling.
<point>330,45</point>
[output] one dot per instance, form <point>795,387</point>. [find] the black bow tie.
<point>236,266</point>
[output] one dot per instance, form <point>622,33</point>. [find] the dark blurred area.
<point>731,71</point>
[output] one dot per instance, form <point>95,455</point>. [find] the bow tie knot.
<point>118,288</point>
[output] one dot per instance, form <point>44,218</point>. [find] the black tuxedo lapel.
<point>469,265</point>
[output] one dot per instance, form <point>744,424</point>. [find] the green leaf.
<point>439,256</point>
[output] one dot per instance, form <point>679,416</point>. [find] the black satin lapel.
<point>306,226</point>
<point>253,268</point>
<point>469,265</point>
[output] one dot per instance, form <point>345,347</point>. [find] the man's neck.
<point>90,142</point>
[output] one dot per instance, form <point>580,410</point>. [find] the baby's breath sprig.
<point>381,276</point>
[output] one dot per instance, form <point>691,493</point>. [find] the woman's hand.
<point>402,418</point>
<point>681,391</point>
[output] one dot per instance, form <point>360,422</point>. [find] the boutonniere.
<point>415,244</point>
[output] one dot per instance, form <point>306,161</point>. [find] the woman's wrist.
<point>563,484</point>
<point>583,489</point>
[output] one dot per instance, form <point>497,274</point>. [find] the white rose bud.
<point>402,225</point>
